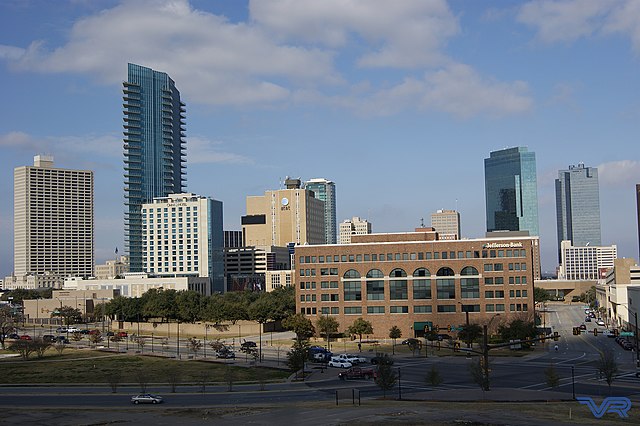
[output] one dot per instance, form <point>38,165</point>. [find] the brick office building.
<point>413,280</point>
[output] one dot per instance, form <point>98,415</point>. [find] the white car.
<point>353,359</point>
<point>146,398</point>
<point>73,329</point>
<point>340,364</point>
<point>600,322</point>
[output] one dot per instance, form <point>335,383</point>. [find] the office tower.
<point>154,148</point>
<point>277,218</point>
<point>447,224</point>
<point>325,190</point>
<point>353,226</point>
<point>183,236</point>
<point>511,191</point>
<point>578,206</point>
<point>232,239</point>
<point>638,213</point>
<point>53,220</point>
<point>585,262</point>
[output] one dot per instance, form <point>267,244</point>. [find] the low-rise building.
<point>45,311</point>
<point>136,284</point>
<point>113,268</point>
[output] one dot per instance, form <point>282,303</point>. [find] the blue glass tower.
<point>578,206</point>
<point>511,190</point>
<point>154,148</point>
<point>325,190</point>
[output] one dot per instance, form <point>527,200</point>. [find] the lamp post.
<point>206,327</point>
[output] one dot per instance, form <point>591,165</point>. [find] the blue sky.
<point>397,102</point>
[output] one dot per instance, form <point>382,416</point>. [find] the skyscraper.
<point>511,190</point>
<point>447,224</point>
<point>578,206</point>
<point>353,226</point>
<point>638,213</point>
<point>53,220</point>
<point>325,190</point>
<point>154,148</point>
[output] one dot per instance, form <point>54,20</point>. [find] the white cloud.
<point>11,52</point>
<point>569,20</point>
<point>619,173</point>
<point>100,146</point>
<point>201,150</point>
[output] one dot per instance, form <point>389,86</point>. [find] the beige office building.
<point>353,226</point>
<point>53,220</point>
<point>447,224</point>
<point>277,218</point>
<point>113,268</point>
<point>585,262</point>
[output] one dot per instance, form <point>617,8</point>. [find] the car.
<point>122,334</point>
<point>587,319</point>
<point>359,373</point>
<point>25,337</point>
<point>248,344</point>
<point>339,364</point>
<point>146,398</point>
<point>73,330</point>
<point>379,358</point>
<point>600,322</point>
<point>61,330</point>
<point>225,353</point>
<point>442,337</point>
<point>609,333</point>
<point>627,346</point>
<point>353,359</point>
<point>110,333</point>
<point>62,339</point>
<point>411,341</point>
<point>582,327</point>
<point>14,336</point>
<point>48,338</point>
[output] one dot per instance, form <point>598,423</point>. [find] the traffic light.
<point>595,331</point>
<point>556,336</point>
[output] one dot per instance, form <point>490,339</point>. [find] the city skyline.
<point>399,123</point>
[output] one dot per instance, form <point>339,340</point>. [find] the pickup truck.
<point>359,373</point>
<point>353,359</point>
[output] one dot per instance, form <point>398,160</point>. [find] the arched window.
<point>351,273</point>
<point>421,272</point>
<point>445,272</point>
<point>398,272</point>
<point>469,270</point>
<point>375,273</point>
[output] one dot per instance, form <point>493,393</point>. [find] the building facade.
<point>246,267</point>
<point>578,206</point>
<point>113,268</point>
<point>277,218</point>
<point>154,148</point>
<point>412,280</point>
<point>447,224</point>
<point>511,191</point>
<point>136,284</point>
<point>585,263</point>
<point>325,190</point>
<point>353,226</point>
<point>638,213</point>
<point>612,294</point>
<point>232,239</point>
<point>183,236</point>
<point>53,220</point>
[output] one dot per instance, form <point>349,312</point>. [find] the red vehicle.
<point>359,373</point>
<point>25,337</point>
<point>121,334</point>
<point>95,331</point>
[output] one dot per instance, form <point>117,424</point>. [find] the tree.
<point>550,373</point>
<point>540,295</point>
<point>68,314</point>
<point>7,323</point>
<point>174,376</point>
<point>95,337</point>
<point>229,377</point>
<point>359,327</point>
<point>477,374</point>
<point>40,347</point>
<point>297,356</point>
<point>23,347</point>
<point>301,325</point>
<point>387,376</point>
<point>433,377</point>
<point>190,306</point>
<point>395,333</point>
<point>194,345</point>
<point>114,378</point>
<point>142,377</point>
<point>470,333</point>
<point>608,366</point>
<point>261,311</point>
<point>327,325</point>
<point>517,329</point>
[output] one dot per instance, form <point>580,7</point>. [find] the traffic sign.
<point>626,333</point>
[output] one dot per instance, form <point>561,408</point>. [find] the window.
<point>333,284</point>
<point>375,290</point>
<point>499,307</point>
<point>499,294</point>
<point>422,309</point>
<point>398,290</point>
<point>488,294</point>
<point>324,311</point>
<point>335,311</point>
<point>351,273</point>
<point>421,289</point>
<point>499,280</point>
<point>353,310</point>
<point>470,288</point>
<point>488,281</point>
<point>324,297</point>
<point>375,309</point>
<point>446,308</point>
<point>398,273</point>
<point>352,291</point>
<point>421,272</point>
<point>498,267</point>
<point>445,288</point>
<point>324,284</point>
<point>470,308</point>
<point>490,307</point>
<point>445,272</point>
<point>488,267</point>
<point>375,273</point>
<point>399,309</point>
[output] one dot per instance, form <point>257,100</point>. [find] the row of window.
<point>390,257</point>
<point>419,293</point>
<point>417,309</point>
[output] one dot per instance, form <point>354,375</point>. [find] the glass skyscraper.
<point>511,191</point>
<point>578,206</point>
<point>325,190</point>
<point>154,148</point>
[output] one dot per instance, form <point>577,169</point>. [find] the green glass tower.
<point>154,148</point>
<point>511,191</point>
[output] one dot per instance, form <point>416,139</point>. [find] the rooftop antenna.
<point>456,204</point>
<point>422,222</point>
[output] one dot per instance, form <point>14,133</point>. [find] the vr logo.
<point>614,404</point>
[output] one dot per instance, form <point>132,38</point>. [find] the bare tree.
<point>194,345</point>
<point>387,376</point>
<point>114,379</point>
<point>202,379</point>
<point>260,377</point>
<point>23,347</point>
<point>142,377</point>
<point>95,337</point>
<point>40,347</point>
<point>608,366</point>
<point>433,376</point>
<point>174,375</point>
<point>229,377</point>
<point>59,347</point>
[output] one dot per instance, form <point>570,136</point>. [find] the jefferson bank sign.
<point>502,245</point>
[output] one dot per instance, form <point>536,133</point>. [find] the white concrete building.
<point>447,224</point>
<point>277,279</point>
<point>353,226</point>
<point>182,236</point>
<point>136,284</point>
<point>53,220</point>
<point>585,263</point>
<point>32,282</point>
<point>613,293</point>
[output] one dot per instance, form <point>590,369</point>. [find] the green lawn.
<point>94,367</point>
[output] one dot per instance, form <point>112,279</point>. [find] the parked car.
<point>25,337</point>
<point>61,330</point>
<point>353,359</point>
<point>412,341</point>
<point>84,331</point>
<point>582,327</point>
<point>627,346</point>
<point>73,329</point>
<point>248,344</point>
<point>62,339</point>
<point>609,333</point>
<point>377,359</point>
<point>110,333</point>
<point>600,322</point>
<point>146,398</point>
<point>442,337</point>
<point>359,373</point>
<point>339,364</point>
<point>48,338</point>
<point>225,353</point>
<point>587,319</point>
<point>122,334</point>
<point>14,336</point>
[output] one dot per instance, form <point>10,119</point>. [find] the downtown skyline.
<point>396,104</point>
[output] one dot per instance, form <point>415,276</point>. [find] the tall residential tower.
<point>154,148</point>
<point>578,206</point>
<point>53,220</point>
<point>511,191</point>
<point>325,190</point>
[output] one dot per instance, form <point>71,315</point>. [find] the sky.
<point>396,102</point>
